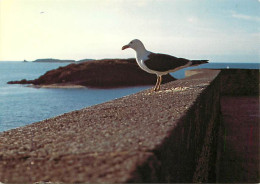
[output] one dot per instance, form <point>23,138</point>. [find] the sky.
<point>218,30</point>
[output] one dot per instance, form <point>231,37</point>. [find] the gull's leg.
<point>159,83</point>
<point>156,85</point>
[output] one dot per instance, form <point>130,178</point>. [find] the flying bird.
<point>159,64</point>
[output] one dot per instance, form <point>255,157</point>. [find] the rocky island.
<point>106,73</point>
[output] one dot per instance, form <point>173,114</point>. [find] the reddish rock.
<point>107,73</point>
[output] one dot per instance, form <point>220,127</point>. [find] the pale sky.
<point>218,30</point>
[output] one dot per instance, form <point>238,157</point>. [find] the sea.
<point>21,105</point>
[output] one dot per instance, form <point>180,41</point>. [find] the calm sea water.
<point>20,105</point>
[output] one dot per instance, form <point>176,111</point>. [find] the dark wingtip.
<point>198,62</point>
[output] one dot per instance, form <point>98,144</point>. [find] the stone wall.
<point>188,154</point>
<point>165,136</point>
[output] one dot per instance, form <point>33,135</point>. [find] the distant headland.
<point>52,60</point>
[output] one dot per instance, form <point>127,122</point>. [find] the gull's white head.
<point>134,44</point>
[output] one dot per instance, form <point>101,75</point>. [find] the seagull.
<point>159,64</point>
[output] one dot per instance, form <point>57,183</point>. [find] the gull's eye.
<point>131,42</point>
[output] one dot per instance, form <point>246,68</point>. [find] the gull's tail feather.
<point>198,62</point>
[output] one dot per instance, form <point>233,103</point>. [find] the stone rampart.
<point>165,136</point>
